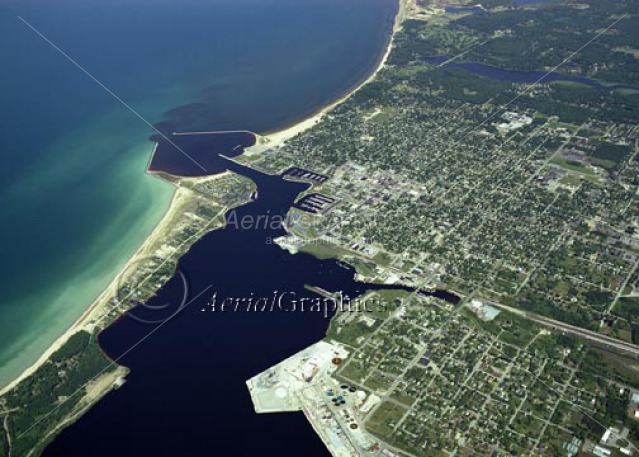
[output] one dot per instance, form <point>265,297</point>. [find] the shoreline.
<point>277,138</point>
<point>95,312</point>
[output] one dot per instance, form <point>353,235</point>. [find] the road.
<point>612,344</point>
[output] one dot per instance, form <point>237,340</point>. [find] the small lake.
<point>521,76</point>
<point>478,9</point>
<point>529,2</point>
<point>464,9</point>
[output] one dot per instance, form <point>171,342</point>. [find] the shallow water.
<point>75,198</point>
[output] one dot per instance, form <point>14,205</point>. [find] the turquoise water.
<point>76,202</point>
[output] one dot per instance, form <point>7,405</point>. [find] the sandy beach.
<point>95,317</point>
<point>99,309</point>
<point>279,137</point>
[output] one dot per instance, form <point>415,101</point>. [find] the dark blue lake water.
<point>186,394</point>
<point>76,201</point>
<point>202,157</point>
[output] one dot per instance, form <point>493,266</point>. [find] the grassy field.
<point>573,166</point>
